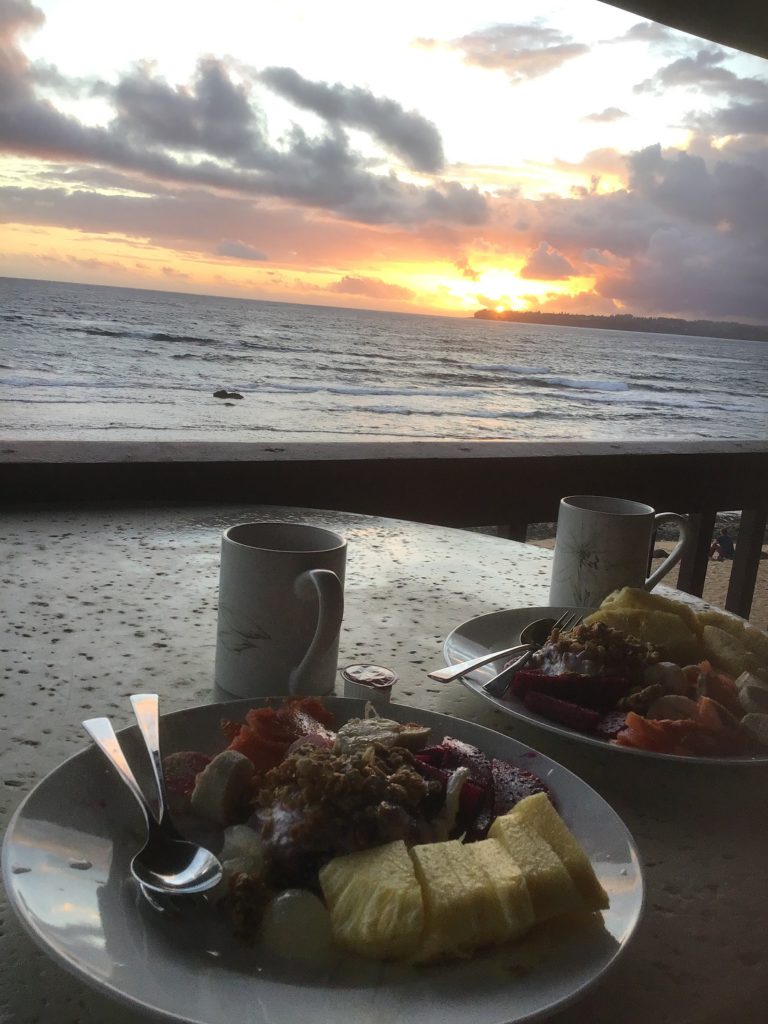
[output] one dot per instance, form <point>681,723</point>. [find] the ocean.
<point>99,363</point>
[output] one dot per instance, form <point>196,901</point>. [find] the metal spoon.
<point>167,864</point>
<point>532,636</point>
<point>499,684</point>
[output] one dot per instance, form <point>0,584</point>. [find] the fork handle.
<point>447,675</point>
<point>145,708</point>
<point>103,735</point>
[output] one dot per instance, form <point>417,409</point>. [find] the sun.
<point>500,309</point>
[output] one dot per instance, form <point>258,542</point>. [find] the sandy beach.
<point>716,584</point>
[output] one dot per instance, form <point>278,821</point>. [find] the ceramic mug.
<point>281,602</point>
<point>603,544</point>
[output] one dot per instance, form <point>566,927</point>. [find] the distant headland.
<point>625,322</point>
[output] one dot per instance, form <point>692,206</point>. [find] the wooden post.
<point>514,531</point>
<point>749,545</point>
<point>693,567</point>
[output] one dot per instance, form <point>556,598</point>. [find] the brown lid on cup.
<point>375,676</point>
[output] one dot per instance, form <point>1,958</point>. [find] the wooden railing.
<point>455,484</point>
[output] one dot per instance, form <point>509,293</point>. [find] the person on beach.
<point>722,546</point>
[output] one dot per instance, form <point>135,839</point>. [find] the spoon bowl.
<point>537,632</point>
<point>174,867</point>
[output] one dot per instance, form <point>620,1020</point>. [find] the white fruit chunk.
<point>296,926</point>
<point>221,786</point>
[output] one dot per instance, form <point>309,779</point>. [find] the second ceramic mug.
<point>281,602</point>
<point>603,544</point>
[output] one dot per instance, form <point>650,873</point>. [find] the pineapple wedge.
<point>756,642</point>
<point>636,597</point>
<point>509,884</point>
<point>538,813</point>
<point>375,902</point>
<point>727,652</point>
<point>551,888</point>
<point>462,909</point>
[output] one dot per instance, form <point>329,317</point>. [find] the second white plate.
<point>497,630</point>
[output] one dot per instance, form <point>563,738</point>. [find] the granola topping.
<point>595,650</point>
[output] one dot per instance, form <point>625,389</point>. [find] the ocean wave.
<point>507,368</point>
<point>702,401</point>
<point>576,383</point>
<point>91,400</point>
<point>472,414</point>
<point>214,357</point>
<point>191,339</point>
<point>373,390</point>
<point>98,332</point>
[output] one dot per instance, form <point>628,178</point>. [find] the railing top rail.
<point>22,451</point>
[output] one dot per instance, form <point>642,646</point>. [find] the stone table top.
<point>97,604</point>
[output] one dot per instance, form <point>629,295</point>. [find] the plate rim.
<point>522,714</point>
<point>108,989</point>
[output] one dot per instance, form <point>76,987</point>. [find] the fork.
<point>447,675</point>
<point>499,684</point>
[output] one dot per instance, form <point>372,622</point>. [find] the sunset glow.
<point>583,160</point>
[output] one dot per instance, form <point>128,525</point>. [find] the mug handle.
<point>330,611</point>
<point>677,553</point>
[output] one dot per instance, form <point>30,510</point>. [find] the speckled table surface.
<point>99,604</point>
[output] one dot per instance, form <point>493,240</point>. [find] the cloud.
<point>240,251</point>
<point>596,163</point>
<point>212,115</point>
<point>744,113</point>
<point>523,52</point>
<point>415,139</point>
<point>370,286</point>
<point>723,195</point>
<point>606,116</point>
<point>683,239</point>
<point>735,119</point>
<point>647,32</point>
<point>211,134</point>
<point>704,73</point>
<point>466,270</point>
<point>599,258</point>
<point>17,17</point>
<point>546,264</point>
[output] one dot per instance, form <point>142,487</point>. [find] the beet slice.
<point>452,754</point>
<point>472,798</point>
<point>600,693</point>
<point>562,711</point>
<point>511,785</point>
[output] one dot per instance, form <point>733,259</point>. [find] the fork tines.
<point>568,620</point>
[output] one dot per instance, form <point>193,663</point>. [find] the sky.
<point>424,157</point>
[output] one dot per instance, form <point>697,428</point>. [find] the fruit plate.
<point>498,630</point>
<point>65,867</point>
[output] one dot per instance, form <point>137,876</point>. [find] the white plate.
<point>65,866</point>
<point>497,630</point>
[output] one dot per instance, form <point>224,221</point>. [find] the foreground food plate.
<point>498,630</point>
<point>65,866</point>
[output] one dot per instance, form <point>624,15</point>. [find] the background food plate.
<point>65,866</point>
<point>497,630</point>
